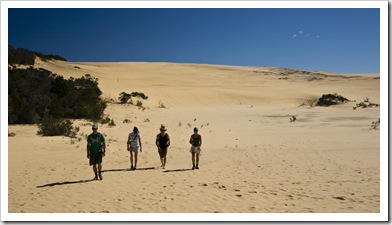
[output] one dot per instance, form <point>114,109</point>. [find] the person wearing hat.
<point>162,142</point>
<point>196,142</point>
<point>133,144</point>
<point>96,148</point>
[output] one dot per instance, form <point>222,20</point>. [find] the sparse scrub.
<point>375,124</point>
<point>366,104</point>
<point>127,121</point>
<point>112,123</point>
<point>139,103</point>
<point>124,98</point>
<point>11,134</point>
<point>179,124</point>
<point>293,119</point>
<point>309,102</point>
<point>147,120</point>
<point>161,104</point>
<point>57,127</point>
<point>331,99</point>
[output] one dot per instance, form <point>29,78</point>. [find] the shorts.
<point>195,150</point>
<point>133,149</point>
<point>162,152</point>
<point>95,158</point>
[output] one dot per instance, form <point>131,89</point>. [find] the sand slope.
<point>254,159</point>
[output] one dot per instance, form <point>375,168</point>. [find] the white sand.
<point>254,159</point>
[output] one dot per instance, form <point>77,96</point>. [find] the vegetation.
<point>26,57</point>
<point>125,97</point>
<point>293,119</point>
<point>51,126</point>
<point>366,104</point>
<point>161,104</point>
<point>375,124</point>
<point>36,93</point>
<point>331,99</point>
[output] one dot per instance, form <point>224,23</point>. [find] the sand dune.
<point>254,159</point>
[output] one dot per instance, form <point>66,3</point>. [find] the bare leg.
<point>197,160</point>
<point>100,171</point>
<point>135,155</point>
<point>131,159</point>
<point>193,160</point>
<point>95,171</point>
<point>164,162</point>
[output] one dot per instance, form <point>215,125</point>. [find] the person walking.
<point>196,142</point>
<point>133,144</point>
<point>96,149</point>
<point>162,142</point>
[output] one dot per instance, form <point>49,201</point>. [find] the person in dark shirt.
<point>196,142</point>
<point>162,142</point>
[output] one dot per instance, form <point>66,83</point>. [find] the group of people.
<point>96,148</point>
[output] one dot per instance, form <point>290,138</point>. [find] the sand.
<point>254,160</point>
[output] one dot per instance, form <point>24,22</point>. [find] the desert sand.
<point>254,160</point>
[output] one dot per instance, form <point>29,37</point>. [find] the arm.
<point>88,150</point>
<point>168,140</point>
<point>104,148</point>
<point>191,140</point>
<point>140,143</point>
<point>128,144</point>
<point>200,141</point>
<point>157,142</point>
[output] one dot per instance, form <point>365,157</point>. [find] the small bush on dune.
<point>375,124</point>
<point>331,99</point>
<point>366,104</point>
<point>50,126</point>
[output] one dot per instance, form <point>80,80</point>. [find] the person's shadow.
<point>86,181</point>
<point>64,183</point>
<point>176,170</point>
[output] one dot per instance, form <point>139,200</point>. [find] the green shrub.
<point>57,127</point>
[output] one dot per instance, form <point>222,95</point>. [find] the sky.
<point>341,40</point>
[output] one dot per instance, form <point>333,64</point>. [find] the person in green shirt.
<point>96,148</point>
<point>196,142</point>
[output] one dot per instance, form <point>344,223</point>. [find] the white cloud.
<point>294,35</point>
<point>300,32</point>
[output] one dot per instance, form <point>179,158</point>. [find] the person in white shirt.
<point>133,144</point>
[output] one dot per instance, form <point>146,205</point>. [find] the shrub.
<point>293,119</point>
<point>127,121</point>
<point>366,104</point>
<point>140,95</point>
<point>161,104</point>
<point>375,124</point>
<point>331,99</point>
<point>139,103</point>
<point>12,134</point>
<point>124,97</point>
<point>111,123</point>
<point>57,127</point>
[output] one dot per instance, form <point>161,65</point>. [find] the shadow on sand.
<point>128,169</point>
<point>176,170</point>
<point>85,181</point>
<point>65,182</point>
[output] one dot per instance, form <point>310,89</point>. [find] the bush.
<point>366,104</point>
<point>124,97</point>
<point>375,124</point>
<point>34,93</point>
<point>57,127</point>
<point>331,99</point>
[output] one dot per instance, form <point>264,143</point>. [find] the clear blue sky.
<point>335,40</point>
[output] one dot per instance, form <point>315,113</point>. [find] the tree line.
<point>36,95</point>
<point>24,56</point>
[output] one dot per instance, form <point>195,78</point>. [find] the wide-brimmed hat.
<point>94,127</point>
<point>163,128</point>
